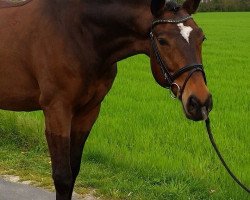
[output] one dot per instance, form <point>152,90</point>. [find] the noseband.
<point>171,77</point>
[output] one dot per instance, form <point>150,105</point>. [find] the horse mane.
<point>172,5</point>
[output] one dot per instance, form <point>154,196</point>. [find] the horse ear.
<point>157,7</point>
<point>191,6</point>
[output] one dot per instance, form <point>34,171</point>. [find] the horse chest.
<point>94,94</point>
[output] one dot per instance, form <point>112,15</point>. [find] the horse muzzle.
<point>197,110</point>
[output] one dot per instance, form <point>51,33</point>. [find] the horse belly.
<point>18,90</point>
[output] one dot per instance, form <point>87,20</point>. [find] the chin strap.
<point>222,159</point>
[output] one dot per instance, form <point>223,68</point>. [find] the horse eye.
<point>162,41</point>
<point>204,38</point>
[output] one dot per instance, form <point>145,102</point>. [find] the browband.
<point>172,21</point>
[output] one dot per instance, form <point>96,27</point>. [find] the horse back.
<point>13,3</point>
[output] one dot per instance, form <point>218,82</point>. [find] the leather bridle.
<point>171,77</point>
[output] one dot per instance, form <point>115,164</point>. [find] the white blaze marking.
<point>185,31</point>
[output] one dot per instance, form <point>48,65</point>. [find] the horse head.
<point>176,55</point>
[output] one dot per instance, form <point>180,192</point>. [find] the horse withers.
<point>60,56</point>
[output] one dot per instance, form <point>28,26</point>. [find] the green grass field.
<point>142,146</point>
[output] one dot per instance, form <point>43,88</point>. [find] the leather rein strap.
<point>222,159</point>
<point>171,77</point>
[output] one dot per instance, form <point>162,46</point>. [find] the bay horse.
<point>60,56</point>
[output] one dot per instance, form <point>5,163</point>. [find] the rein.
<point>211,137</point>
<point>170,80</point>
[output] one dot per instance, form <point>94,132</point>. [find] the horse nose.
<point>199,110</point>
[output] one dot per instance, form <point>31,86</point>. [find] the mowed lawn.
<point>142,146</point>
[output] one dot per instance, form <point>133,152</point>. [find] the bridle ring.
<point>178,91</point>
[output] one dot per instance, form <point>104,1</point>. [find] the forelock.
<point>172,6</point>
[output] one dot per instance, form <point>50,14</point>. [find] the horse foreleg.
<point>58,125</point>
<point>80,129</point>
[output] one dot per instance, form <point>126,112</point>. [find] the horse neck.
<point>120,30</point>
<point>117,29</point>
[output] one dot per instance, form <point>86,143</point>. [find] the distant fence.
<point>223,5</point>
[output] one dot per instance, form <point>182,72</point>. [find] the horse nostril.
<point>197,110</point>
<point>193,104</point>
